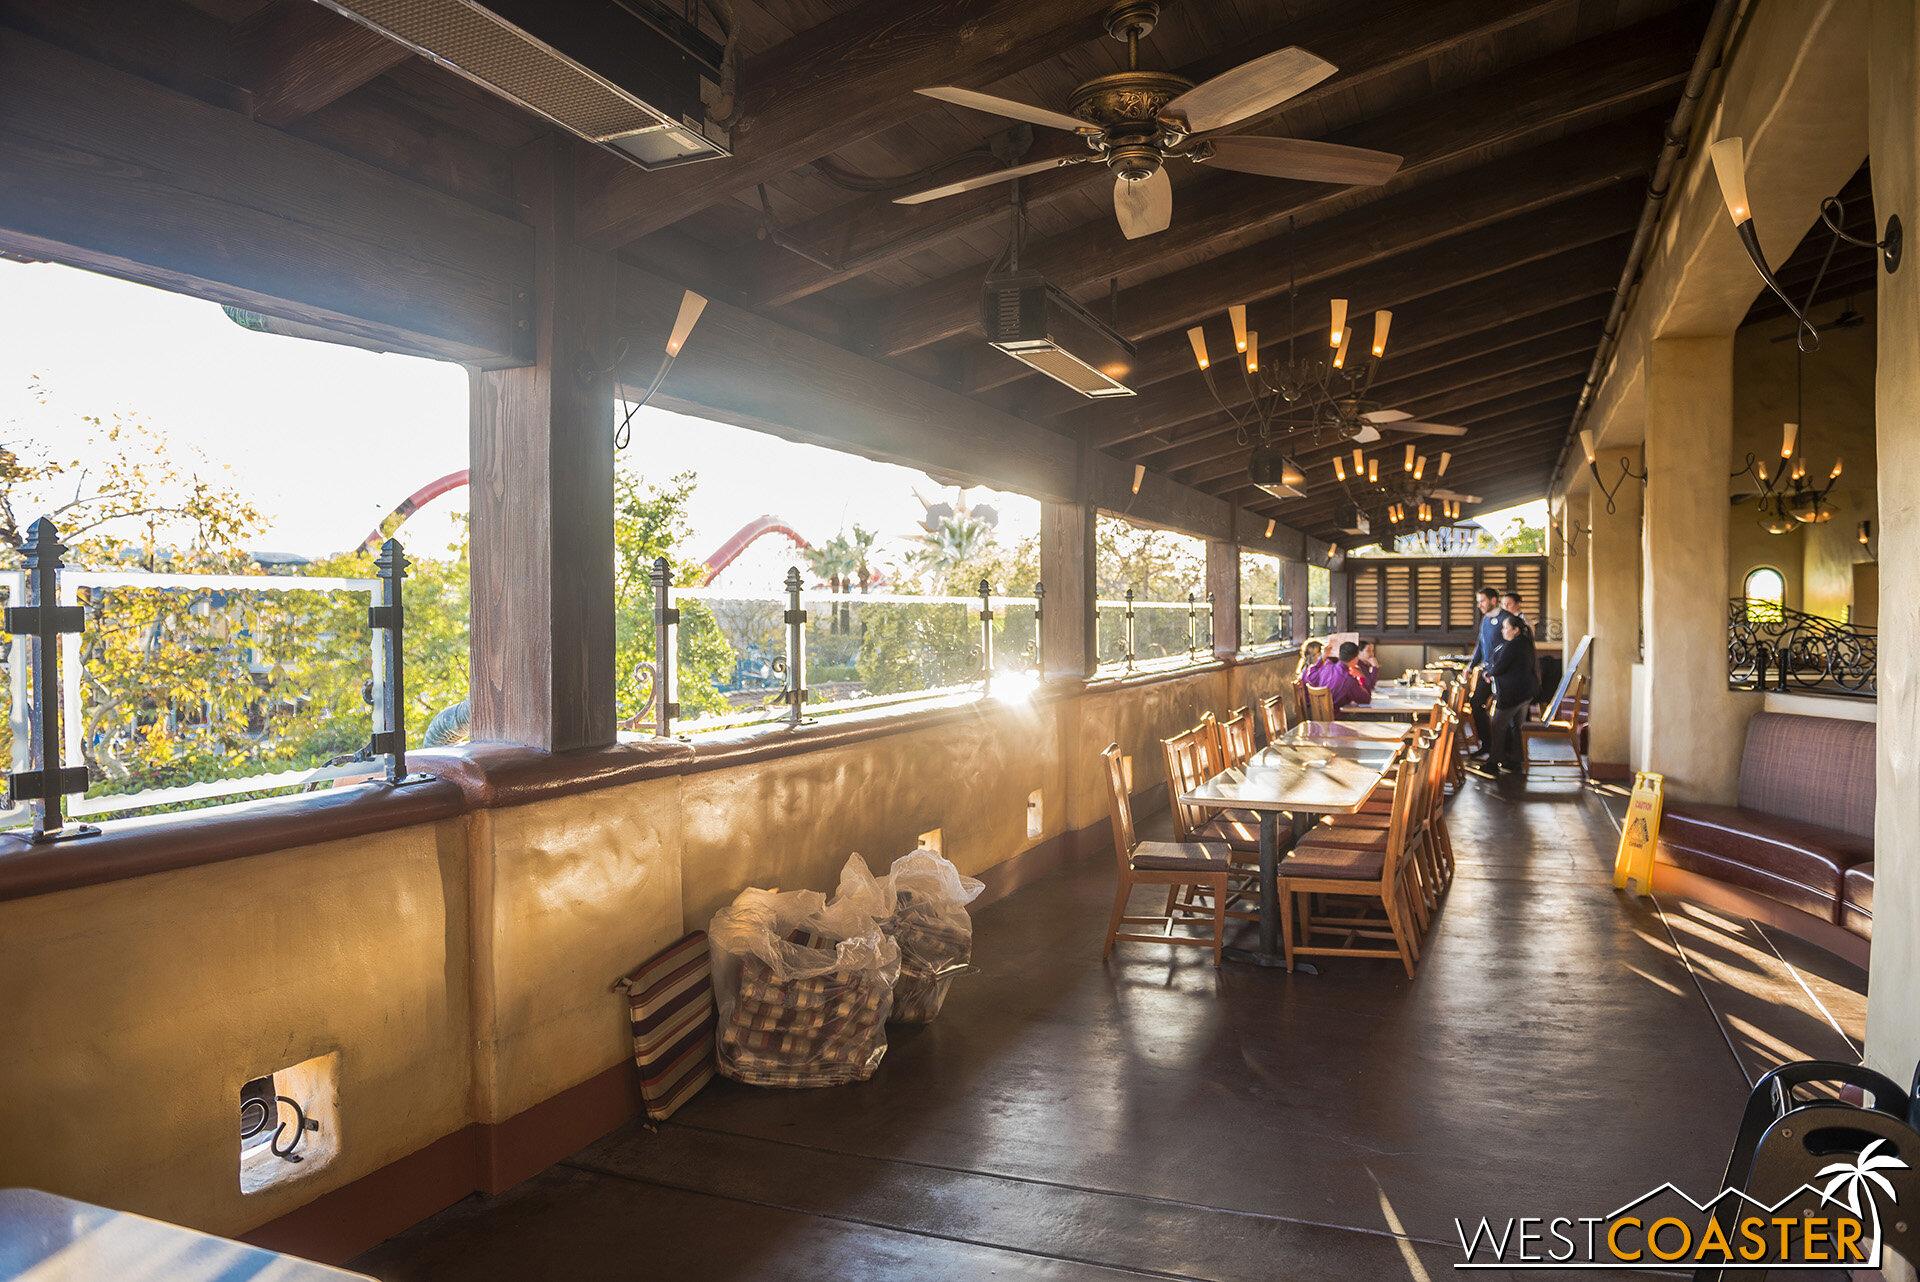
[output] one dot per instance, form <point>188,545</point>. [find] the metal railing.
<point>1134,635</point>
<point>1772,647</point>
<point>84,640</point>
<point>1266,627</point>
<point>813,653</point>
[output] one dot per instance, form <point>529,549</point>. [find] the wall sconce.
<point>1272,523</point>
<point>1730,168</point>
<point>1586,443</point>
<point>691,305</point>
<point>1866,539</point>
<point>1139,475</point>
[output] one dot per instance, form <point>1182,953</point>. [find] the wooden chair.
<point>1320,704</point>
<point>1237,830</point>
<point>1160,863</point>
<point>1436,854</point>
<point>1273,717</point>
<point>1565,727</point>
<point>1237,735</point>
<point>1383,869</point>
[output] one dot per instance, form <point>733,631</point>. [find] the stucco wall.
<point>460,969</point>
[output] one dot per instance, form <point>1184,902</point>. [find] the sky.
<point>325,440</point>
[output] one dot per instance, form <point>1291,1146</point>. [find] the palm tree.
<point>1854,1177</point>
<point>958,540</point>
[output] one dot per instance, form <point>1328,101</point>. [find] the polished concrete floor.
<point>1562,1049</point>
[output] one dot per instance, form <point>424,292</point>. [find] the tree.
<point>1521,538</point>
<point>650,523</point>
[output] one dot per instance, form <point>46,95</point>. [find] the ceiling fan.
<point>1371,421</point>
<point>1847,319</point>
<point>1135,121</point>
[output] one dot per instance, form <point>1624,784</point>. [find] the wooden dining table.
<point>1307,773</point>
<point>1392,701</point>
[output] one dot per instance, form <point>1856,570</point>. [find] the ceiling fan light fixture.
<point>1730,167</point>
<point>1381,320</point>
<point>1237,314</point>
<point>1359,463</point>
<point>1338,333</point>
<point>1198,337</point>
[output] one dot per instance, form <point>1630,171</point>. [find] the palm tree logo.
<point>1860,1176</point>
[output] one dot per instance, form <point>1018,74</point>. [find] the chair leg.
<point>1119,910</point>
<point>1286,922</point>
<point>1173,897</point>
<point>1219,919</point>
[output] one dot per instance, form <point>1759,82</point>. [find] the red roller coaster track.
<point>757,528</point>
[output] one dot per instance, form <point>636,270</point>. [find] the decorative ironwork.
<point>666,647</point>
<point>40,622</point>
<point>387,616</point>
<point>986,636</point>
<point>1127,631</point>
<point>1039,630</point>
<point>795,695</point>
<point>1801,650</point>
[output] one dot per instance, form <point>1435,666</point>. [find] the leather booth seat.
<point>1802,833</point>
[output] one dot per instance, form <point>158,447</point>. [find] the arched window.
<point>1766,592</point>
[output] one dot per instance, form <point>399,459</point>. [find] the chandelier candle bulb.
<point>1238,315</point>
<point>1340,355</point>
<point>1139,475</point>
<point>1799,469</point>
<point>1373,471</point>
<point>1339,470</point>
<point>1270,525</point>
<point>1420,467</point>
<point>1252,348</point>
<point>1409,458</point>
<point>1359,464</point>
<point>1445,458</point>
<point>1730,167</point>
<point>1761,469</point>
<point>1835,474</point>
<point>1789,434</point>
<point>1198,337</point>
<point>1338,334</point>
<point>1381,320</point>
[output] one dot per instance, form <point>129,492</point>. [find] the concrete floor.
<point>1562,1050</point>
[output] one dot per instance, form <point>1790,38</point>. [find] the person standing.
<point>1487,600</point>
<point>1516,683</point>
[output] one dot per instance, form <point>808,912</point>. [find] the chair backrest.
<point>1273,717</point>
<point>1302,706</point>
<point>1406,822</point>
<point>1120,805</point>
<point>1238,734</point>
<point>1819,770</point>
<point>1213,745</point>
<point>1186,769</point>
<point>1320,703</point>
<point>1575,708</point>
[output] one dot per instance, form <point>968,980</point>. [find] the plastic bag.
<point>804,986</point>
<point>922,904</point>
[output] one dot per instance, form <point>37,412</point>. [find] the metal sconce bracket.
<point>1625,472</point>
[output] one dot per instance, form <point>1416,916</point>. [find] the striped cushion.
<point>671,1009</point>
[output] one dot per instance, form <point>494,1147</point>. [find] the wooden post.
<point>1068,633</point>
<point>1340,591</point>
<point>542,493</point>
<point>1294,590</point>
<point>1223,585</point>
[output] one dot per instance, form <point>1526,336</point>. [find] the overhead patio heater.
<point>1270,470</point>
<point>631,75</point>
<point>1038,324</point>
<point>1352,520</point>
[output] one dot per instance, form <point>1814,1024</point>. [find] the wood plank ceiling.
<point>1528,130</point>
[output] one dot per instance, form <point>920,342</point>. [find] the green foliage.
<point>1521,538</point>
<point>906,647</point>
<point>1157,565</point>
<point>649,523</point>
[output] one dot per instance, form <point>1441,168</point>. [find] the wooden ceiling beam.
<point>114,173</point>
<point>1391,284</point>
<point>1594,81</point>
<point>297,57</point>
<point>852,76</point>
<point>871,232</point>
<point>1403,223</point>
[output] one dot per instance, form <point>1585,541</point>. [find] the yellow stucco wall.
<point>460,970</point>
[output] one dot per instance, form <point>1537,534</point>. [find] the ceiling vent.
<point>626,74</point>
<point>1037,323</point>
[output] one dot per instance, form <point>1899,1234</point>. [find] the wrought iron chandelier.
<point>1787,499</point>
<point>1405,496</point>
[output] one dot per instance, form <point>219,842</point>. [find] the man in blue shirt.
<point>1489,640</point>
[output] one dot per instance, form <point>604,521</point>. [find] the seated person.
<point>1312,655</point>
<point>1369,665</point>
<point>1343,678</point>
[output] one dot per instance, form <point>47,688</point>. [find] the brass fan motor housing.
<point>1126,106</point>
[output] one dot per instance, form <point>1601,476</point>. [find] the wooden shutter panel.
<point>1430,604</point>
<point>1366,598</point>
<point>1399,598</point>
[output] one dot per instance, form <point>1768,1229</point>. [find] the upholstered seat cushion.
<point>1347,835</point>
<point>1180,856</point>
<point>1797,863</point>
<point>1856,899</point>
<point>1312,858</point>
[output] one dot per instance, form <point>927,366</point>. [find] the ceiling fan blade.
<point>1430,429</point>
<point>1249,89</point>
<point>988,180</point>
<point>1143,207</point>
<point>1454,496</point>
<point>1367,435</point>
<point>1386,416</point>
<point>1302,158</point>
<point>1009,108</point>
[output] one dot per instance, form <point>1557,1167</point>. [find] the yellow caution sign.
<point>1633,866</point>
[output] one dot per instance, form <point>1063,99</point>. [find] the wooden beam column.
<point>1068,631</point>
<point>1223,588</point>
<point>541,438</point>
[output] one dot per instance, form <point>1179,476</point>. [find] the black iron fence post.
<point>1127,630</point>
<point>986,636</point>
<point>1193,642</point>
<point>1039,630</point>
<point>387,616</point>
<point>1213,636</point>
<point>796,619</point>
<point>40,622</point>
<point>666,649</point>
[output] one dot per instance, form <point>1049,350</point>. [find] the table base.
<point>1255,957</point>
